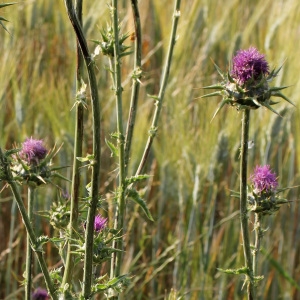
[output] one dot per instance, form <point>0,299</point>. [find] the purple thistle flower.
<point>249,64</point>
<point>40,294</point>
<point>33,150</point>
<point>99,223</point>
<point>264,181</point>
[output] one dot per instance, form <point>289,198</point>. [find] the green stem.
<point>243,202</point>
<point>76,163</point>
<point>258,237</point>
<point>10,246</point>
<point>32,237</point>
<point>120,211</point>
<point>28,271</point>
<point>160,97</point>
<point>136,81</point>
<point>95,164</point>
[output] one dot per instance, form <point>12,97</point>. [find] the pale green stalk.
<point>258,236</point>
<point>120,210</point>
<point>76,163</point>
<point>95,163</point>
<point>243,203</point>
<point>160,97</point>
<point>10,245</point>
<point>32,237</point>
<point>136,82</point>
<point>28,271</point>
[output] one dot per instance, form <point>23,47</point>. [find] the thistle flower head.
<point>33,151</point>
<point>99,223</point>
<point>40,294</point>
<point>249,65</point>
<point>264,180</point>
<point>246,85</point>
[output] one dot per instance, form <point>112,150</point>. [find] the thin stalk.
<point>243,202</point>
<point>32,237</point>
<point>160,97</point>
<point>258,236</point>
<point>76,163</point>
<point>95,163</point>
<point>10,246</point>
<point>120,211</point>
<point>136,82</point>
<point>28,271</point>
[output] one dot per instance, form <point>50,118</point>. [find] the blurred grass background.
<point>194,162</point>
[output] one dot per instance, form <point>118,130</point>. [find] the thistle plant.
<point>9,176</point>
<point>32,152</point>
<point>263,199</point>
<point>246,87</point>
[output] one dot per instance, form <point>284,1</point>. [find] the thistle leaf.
<point>238,271</point>
<point>223,102</point>
<point>3,26</point>
<point>213,87</point>
<point>278,94</point>
<point>114,150</point>
<point>134,179</point>
<point>270,108</point>
<point>134,195</point>
<point>278,88</point>
<point>219,70</point>
<point>7,4</point>
<point>211,95</point>
<point>230,78</point>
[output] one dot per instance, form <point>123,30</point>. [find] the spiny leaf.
<point>89,157</point>
<point>213,87</point>
<point>3,19</point>
<point>3,26</point>
<point>57,175</point>
<point>223,102</point>
<point>238,271</point>
<point>278,88</point>
<point>230,78</point>
<point>153,97</point>
<point>270,108</point>
<point>7,4</point>
<point>211,95</point>
<point>114,150</point>
<point>134,179</point>
<point>218,69</point>
<point>273,102</point>
<point>286,188</point>
<point>277,71</point>
<point>134,195</point>
<point>278,94</point>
